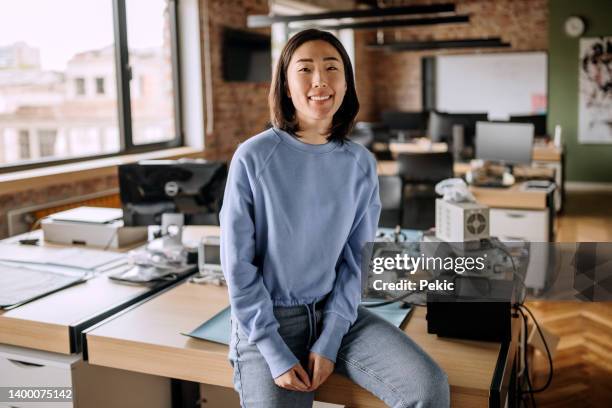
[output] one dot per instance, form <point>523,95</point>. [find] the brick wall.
<point>240,109</point>
<point>394,79</point>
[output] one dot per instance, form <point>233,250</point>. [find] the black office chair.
<point>380,136</point>
<point>390,189</point>
<point>363,133</point>
<point>420,172</point>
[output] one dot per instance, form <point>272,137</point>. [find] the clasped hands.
<point>297,379</point>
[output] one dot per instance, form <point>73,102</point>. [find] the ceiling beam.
<point>407,22</point>
<point>258,21</point>
<point>495,42</point>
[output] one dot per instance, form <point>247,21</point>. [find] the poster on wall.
<point>595,90</point>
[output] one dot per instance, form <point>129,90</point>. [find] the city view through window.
<point>58,87</point>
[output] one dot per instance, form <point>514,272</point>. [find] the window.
<point>150,52</point>
<point>80,86</point>
<point>67,74</point>
<point>100,86</point>
<point>46,142</point>
<point>24,145</point>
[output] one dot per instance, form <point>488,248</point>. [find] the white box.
<point>109,235</point>
<point>460,222</point>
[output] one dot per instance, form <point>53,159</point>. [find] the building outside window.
<point>24,145</point>
<point>100,86</point>
<point>65,69</point>
<point>46,140</point>
<point>80,86</point>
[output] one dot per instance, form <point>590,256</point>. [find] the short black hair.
<point>282,111</point>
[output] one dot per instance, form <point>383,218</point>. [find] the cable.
<point>110,241</point>
<point>526,360</point>
<point>550,362</point>
<point>514,270</point>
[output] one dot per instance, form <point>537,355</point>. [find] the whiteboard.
<point>501,84</point>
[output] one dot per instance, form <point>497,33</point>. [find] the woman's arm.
<point>250,301</point>
<point>341,308</point>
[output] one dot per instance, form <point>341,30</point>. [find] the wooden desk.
<point>512,197</point>
<point>146,338</point>
<point>419,146</point>
<point>55,322</point>
<point>547,152</point>
<point>515,212</point>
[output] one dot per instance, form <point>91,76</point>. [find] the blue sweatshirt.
<point>295,217</point>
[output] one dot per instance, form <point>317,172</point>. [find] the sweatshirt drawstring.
<point>312,323</point>
<point>309,326</point>
<point>314,319</point>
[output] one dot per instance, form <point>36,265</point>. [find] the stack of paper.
<point>68,261</point>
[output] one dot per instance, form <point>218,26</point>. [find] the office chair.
<point>363,133</point>
<point>420,172</point>
<point>390,190</point>
<point>380,136</point>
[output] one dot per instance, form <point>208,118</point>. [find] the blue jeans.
<point>374,354</point>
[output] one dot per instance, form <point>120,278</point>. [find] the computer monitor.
<point>441,126</point>
<point>538,121</point>
<point>508,143</point>
<point>151,188</point>
<point>413,122</point>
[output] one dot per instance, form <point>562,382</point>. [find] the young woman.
<point>300,202</point>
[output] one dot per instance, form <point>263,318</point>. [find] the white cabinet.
<point>21,367</point>
<point>32,368</point>
<point>529,225</point>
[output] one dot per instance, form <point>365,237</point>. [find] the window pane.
<point>57,80</point>
<point>151,88</point>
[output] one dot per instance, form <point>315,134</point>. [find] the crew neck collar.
<point>296,143</point>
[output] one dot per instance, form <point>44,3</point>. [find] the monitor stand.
<point>171,233</point>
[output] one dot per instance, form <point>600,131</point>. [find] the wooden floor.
<point>583,360</point>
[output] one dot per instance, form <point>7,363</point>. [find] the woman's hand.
<point>320,369</point>
<point>295,379</point>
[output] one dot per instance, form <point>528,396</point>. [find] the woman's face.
<point>316,81</point>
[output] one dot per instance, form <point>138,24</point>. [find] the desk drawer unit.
<point>21,367</point>
<point>528,225</point>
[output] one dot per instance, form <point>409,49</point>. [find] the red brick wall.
<point>240,109</point>
<point>394,79</point>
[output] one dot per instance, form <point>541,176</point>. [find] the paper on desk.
<point>21,285</point>
<point>217,329</point>
<point>80,258</point>
<point>60,270</point>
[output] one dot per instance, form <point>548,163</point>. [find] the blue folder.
<point>217,328</point>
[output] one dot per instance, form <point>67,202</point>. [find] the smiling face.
<point>316,82</point>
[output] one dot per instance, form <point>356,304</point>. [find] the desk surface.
<point>511,197</point>
<point>146,338</point>
<point>54,322</point>
<point>547,152</point>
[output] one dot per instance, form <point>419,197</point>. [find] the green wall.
<point>593,162</point>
